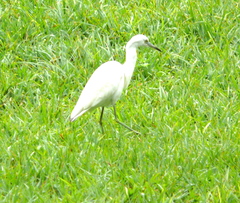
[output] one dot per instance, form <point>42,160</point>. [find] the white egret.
<point>106,84</point>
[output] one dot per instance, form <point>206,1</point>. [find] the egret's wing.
<point>103,88</point>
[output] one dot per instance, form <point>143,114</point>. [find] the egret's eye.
<point>146,41</point>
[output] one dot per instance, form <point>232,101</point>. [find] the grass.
<point>184,101</point>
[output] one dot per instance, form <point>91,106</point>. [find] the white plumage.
<point>103,88</point>
<point>106,84</point>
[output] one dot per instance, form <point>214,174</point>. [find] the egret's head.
<point>140,40</point>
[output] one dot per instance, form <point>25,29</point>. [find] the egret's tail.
<point>75,115</point>
<point>72,119</point>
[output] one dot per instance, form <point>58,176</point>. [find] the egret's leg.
<point>101,119</point>
<point>114,107</point>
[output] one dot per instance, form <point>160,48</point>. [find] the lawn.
<point>185,101</point>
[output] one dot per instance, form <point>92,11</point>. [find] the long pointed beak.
<point>152,46</point>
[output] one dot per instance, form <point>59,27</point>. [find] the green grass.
<point>184,100</point>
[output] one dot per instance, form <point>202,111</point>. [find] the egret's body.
<point>106,84</point>
<point>101,89</point>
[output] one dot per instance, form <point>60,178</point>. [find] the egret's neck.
<point>129,65</point>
